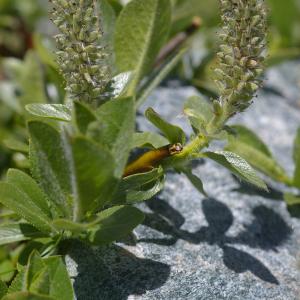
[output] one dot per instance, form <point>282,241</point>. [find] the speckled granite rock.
<point>238,244</point>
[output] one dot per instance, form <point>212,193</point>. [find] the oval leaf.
<point>141,31</point>
<point>248,145</point>
<point>237,166</point>
<point>172,132</point>
<point>59,112</point>
<point>114,223</point>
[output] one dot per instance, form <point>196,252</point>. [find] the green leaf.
<point>7,269</point>
<point>26,296</point>
<point>47,277</point>
<point>18,283</point>
<point>248,137</point>
<point>83,116</point>
<point>42,45</point>
<point>196,181</point>
<point>293,204</point>
<point>297,160</point>
<point>3,289</point>
<point>77,174</point>
<point>158,76</point>
<point>51,164</point>
<point>248,145</point>
<point>199,112</point>
<point>27,185</point>
<point>141,31</point>
<point>137,180</point>
<point>31,81</point>
<point>146,191</point>
<point>238,166</point>
<point>18,201</point>
<point>17,232</point>
<point>114,129</point>
<point>114,223</point>
<point>65,224</point>
<point>58,112</point>
<point>16,145</point>
<point>35,268</point>
<point>58,275</point>
<point>149,140</point>
<point>118,86</point>
<point>93,175</point>
<point>173,133</point>
<point>140,187</point>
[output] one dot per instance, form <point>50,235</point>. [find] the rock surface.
<point>238,244</point>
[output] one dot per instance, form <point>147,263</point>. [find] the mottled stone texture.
<point>240,243</point>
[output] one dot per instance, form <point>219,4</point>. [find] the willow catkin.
<point>82,55</point>
<point>241,54</point>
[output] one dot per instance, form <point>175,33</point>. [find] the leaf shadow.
<point>112,272</point>
<point>272,194</point>
<point>267,231</point>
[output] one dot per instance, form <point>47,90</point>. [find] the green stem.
<point>195,146</point>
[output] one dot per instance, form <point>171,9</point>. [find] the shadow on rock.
<point>240,261</point>
<point>267,231</point>
<point>112,272</point>
<point>272,194</point>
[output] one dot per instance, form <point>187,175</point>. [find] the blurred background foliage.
<point>29,73</point>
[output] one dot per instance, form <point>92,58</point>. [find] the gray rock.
<point>238,244</point>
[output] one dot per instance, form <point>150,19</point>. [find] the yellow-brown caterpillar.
<point>151,159</point>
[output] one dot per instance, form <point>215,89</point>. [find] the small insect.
<point>151,159</point>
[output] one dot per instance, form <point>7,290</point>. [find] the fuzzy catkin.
<point>82,56</point>
<point>241,55</point>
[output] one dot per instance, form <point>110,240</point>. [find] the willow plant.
<point>82,185</point>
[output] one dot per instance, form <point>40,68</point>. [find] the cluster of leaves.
<point>78,149</point>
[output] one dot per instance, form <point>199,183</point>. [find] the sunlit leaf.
<point>238,166</point>
<point>172,132</point>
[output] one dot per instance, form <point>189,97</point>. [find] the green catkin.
<point>241,55</point>
<point>82,56</point>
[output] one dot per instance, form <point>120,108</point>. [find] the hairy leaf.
<point>173,133</point>
<point>60,112</point>
<point>249,146</point>
<point>31,81</point>
<point>114,129</point>
<point>17,232</point>
<point>114,223</point>
<point>27,296</point>
<point>76,173</point>
<point>158,76</point>
<point>141,31</point>
<point>3,289</point>
<point>237,166</point>
<point>18,201</point>
<point>58,275</point>
<point>51,164</point>
<point>27,185</point>
<point>93,175</point>
<point>83,116</point>
<point>118,86</point>
<point>140,187</point>
<point>199,112</point>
